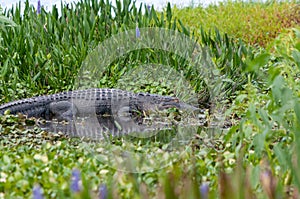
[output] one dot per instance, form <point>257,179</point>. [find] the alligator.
<point>85,112</point>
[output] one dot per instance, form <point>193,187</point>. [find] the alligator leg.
<point>63,110</point>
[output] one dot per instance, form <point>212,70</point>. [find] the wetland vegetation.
<point>254,47</point>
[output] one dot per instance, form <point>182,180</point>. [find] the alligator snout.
<point>176,103</point>
<point>172,103</point>
<point>185,106</point>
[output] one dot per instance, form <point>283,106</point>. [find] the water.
<point>158,4</point>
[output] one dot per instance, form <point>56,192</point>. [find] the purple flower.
<point>137,32</point>
<point>102,191</point>
<point>204,188</point>
<point>37,192</point>
<point>149,8</point>
<point>38,10</point>
<point>75,181</point>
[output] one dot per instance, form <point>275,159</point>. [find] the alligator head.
<point>151,106</point>
<point>159,102</point>
<point>149,102</point>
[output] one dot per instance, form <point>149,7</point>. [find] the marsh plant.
<point>255,156</point>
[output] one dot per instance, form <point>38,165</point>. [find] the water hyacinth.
<point>137,32</point>
<point>103,191</point>
<point>75,181</point>
<point>204,188</point>
<point>149,8</point>
<point>38,10</point>
<point>37,192</point>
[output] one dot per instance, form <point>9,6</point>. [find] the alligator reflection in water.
<point>106,125</point>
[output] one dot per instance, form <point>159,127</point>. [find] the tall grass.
<point>44,51</point>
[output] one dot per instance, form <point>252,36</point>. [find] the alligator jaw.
<point>172,103</point>
<point>187,107</point>
<point>175,103</point>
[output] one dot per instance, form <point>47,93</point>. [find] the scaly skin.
<point>108,109</point>
<point>103,101</point>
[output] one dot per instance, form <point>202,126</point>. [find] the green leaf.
<point>277,85</point>
<point>258,143</point>
<point>282,156</point>
<point>184,29</point>
<point>297,111</point>
<point>264,117</point>
<point>6,20</point>
<point>258,62</point>
<point>6,159</point>
<point>296,56</point>
<point>297,32</point>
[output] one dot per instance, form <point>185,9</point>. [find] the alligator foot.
<point>63,110</point>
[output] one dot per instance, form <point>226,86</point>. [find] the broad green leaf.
<point>283,156</point>
<point>296,56</point>
<point>258,62</point>
<point>276,87</point>
<point>254,178</point>
<point>259,143</point>
<point>264,117</point>
<point>297,111</point>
